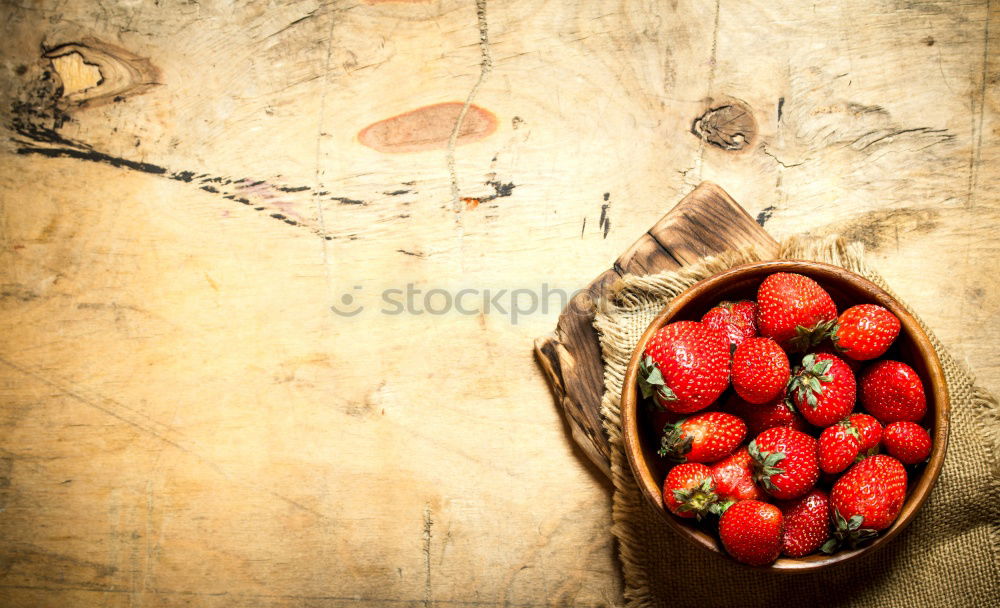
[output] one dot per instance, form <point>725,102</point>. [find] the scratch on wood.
<point>324,248</point>
<point>301,19</point>
<point>711,81</point>
<point>975,153</point>
<point>485,67</point>
<point>783,164</point>
<point>605,221</point>
<point>861,143</point>
<point>428,524</point>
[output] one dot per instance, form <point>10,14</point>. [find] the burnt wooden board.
<point>705,222</point>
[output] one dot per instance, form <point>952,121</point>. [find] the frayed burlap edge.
<point>649,294</point>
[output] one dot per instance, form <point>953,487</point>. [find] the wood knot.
<point>429,128</point>
<point>94,72</point>
<point>730,127</point>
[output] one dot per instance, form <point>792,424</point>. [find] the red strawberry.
<point>794,310</point>
<point>785,462</point>
<point>869,432</point>
<point>823,389</point>
<point>686,366</point>
<point>807,524</point>
<point>865,331</point>
<point>688,490</point>
<point>907,442</point>
<point>704,437</point>
<point>738,320</point>
<point>750,531</point>
<point>760,370</point>
<point>734,478</point>
<point>892,391</point>
<point>866,499</point>
<point>839,445</point>
<point>759,418</point>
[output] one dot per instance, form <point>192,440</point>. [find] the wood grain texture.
<point>187,421</point>
<point>705,222</point>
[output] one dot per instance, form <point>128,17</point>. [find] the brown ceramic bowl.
<point>847,288</point>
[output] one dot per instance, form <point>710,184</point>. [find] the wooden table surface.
<point>190,190</point>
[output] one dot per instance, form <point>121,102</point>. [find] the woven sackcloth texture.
<point>946,557</point>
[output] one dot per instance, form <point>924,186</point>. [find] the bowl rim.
<point>918,491</point>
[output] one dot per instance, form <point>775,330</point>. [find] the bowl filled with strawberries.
<point>787,414</point>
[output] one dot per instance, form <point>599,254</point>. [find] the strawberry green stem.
<point>651,381</point>
<point>807,337</point>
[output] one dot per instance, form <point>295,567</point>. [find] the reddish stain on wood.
<point>470,203</point>
<point>428,128</point>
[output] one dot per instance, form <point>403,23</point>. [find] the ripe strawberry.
<point>807,524</point>
<point>686,366</point>
<point>760,370</point>
<point>733,478</point>
<point>759,418</point>
<point>865,331</point>
<point>839,445</point>
<point>907,442</point>
<point>785,462</point>
<point>823,389</point>
<point>869,432</point>
<point>794,310</point>
<point>738,320</point>
<point>866,499</point>
<point>704,437</point>
<point>688,490</point>
<point>751,530</point>
<point>892,391</point>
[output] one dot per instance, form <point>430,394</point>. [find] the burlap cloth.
<point>946,557</point>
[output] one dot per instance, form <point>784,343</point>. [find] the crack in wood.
<point>428,525</point>
<point>485,67</point>
<point>975,153</point>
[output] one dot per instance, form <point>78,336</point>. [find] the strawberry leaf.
<point>650,377</point>
<point>791,406</point>
<point>700,499</point>
<point>806,385</point>
<point>665,393</point>
<point>839,521</point>
<point>850,530</point>
<point>807,337</point>
<point>719,508</point>
<point>764,465</point>
<point>675,443</point>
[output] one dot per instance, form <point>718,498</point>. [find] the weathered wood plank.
<point>163,256</point>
